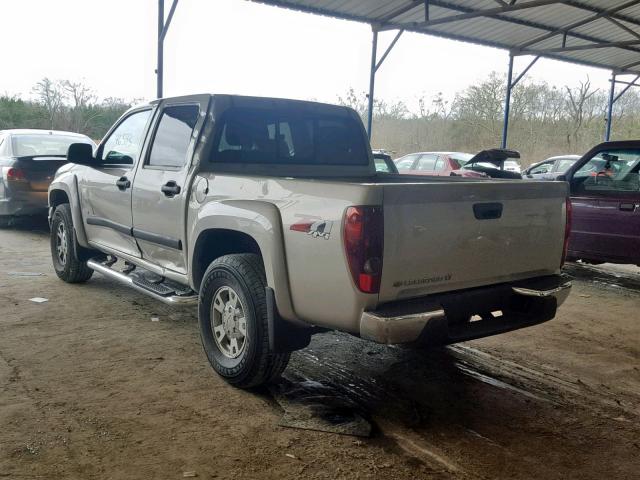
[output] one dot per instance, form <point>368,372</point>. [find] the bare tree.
<point>577,102</point>
<point>82,97</point>
<point>51,95</point>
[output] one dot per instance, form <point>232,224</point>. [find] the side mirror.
<point>81,154</point>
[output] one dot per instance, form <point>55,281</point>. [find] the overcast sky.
<point>236,46</point>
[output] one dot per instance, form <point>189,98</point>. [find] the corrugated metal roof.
<point>608,36</point>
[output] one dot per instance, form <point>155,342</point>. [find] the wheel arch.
<point>65,190</point>
<point>241,227</point>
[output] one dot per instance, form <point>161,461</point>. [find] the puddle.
<point>311,405</point>
<point>606,275</point>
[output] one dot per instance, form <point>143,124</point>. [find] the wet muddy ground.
<point>91,387</point>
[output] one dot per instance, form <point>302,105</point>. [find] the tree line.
<point>62,105</point>
<point>545,120</point>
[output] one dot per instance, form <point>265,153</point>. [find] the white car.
<point>512,166</point>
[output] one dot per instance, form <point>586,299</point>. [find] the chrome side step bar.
<point>107,271</point>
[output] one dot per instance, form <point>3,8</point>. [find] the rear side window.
<point>289,137</point>
<point>427,162</point>
<point>406,162</point>
<point>173,136</point>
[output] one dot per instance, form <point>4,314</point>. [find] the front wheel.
<point>233,322</point>
<point>65,248</point>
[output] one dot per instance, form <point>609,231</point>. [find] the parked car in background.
<point>551,168</point>
<point>441,164</point>
<point>512,166</point>
<point>605,198</point>
<point>384,162</point>
<point>28,161</point>
<point>493,163</point>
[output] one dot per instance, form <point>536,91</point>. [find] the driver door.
<point>105,191</point>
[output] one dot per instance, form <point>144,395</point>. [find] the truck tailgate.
<point>445,236</point>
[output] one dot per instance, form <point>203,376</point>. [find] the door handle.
<point>629,207</point>
<point>123,183</point>
<point>170,189</point>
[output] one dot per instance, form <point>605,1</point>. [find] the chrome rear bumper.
<point>450,317</point>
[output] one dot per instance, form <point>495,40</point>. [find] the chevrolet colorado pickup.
<point>269,215</point>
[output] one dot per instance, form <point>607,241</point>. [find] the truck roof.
<point>248,101</point>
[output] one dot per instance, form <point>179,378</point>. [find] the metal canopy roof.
<point>598,33</point>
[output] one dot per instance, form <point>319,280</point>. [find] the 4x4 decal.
<point>315,228</point>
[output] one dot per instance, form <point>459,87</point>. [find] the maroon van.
<point>605,199</point>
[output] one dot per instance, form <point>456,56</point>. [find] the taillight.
<point>363,244</point>
<point>15,175</point>
<point>567,231</point>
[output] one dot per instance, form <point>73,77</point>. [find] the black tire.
<point>69,268</point>
<point>255,364</point>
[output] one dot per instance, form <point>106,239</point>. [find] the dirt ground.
<point>91,388</point>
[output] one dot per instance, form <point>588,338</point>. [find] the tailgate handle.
<point>487,211</point>
<point>628,207</point>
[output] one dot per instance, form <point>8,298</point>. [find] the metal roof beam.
<point>400,10</point>
<point>627,66</point>
<point>624,90</point>
<point>488,12</point>
<point>591,8</point>
<point>512,20</point>
<point>388,50</point>
<point>565,30</point>
<point>626,83</point>
<point>576,48</point>
<point>623,27</point>
<point>524,72</point>
<point>167,22</point>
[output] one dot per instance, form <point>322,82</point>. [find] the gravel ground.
<point>91,388</point>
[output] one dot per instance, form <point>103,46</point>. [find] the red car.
<point>441,164</point>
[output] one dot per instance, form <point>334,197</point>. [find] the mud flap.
<point>283,336</point>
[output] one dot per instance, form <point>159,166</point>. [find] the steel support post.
<point>160,66</point>
<point>372,81</point>
<point>607,133</point>
<point>507,103</point>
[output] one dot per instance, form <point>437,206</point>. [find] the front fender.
<point>68,183</point>
<point>261,221</point>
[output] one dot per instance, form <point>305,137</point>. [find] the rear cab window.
<point>289,137</point>
<point>44,144</point>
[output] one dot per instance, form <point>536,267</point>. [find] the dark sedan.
<point>605,199</point>
<point>28,162</point>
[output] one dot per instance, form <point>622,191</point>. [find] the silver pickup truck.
<point>269,215</point>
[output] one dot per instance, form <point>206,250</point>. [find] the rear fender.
<point>262,222</point>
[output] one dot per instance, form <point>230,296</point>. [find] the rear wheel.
<point>65,248</point>
<point>233,322</point>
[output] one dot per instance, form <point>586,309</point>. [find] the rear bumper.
<point>464,315</point>
<point>24,203</point>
